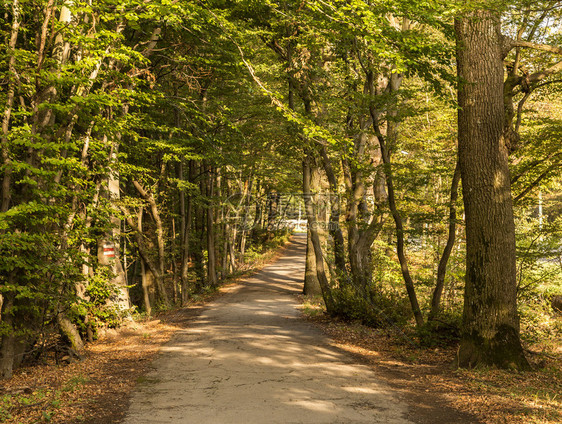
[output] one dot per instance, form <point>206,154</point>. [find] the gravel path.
<point>248,358</point>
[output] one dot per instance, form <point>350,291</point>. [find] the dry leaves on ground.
<point>96,390</point>
<point>428,375</point>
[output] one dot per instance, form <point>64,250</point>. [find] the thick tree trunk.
<point>7,340</point>
<point>315,238</point>
<point>12,344</point>
<point>185,255</point>
<point>147,281</point>
<point>10,95</point>
<point>335,212</point>
<point>196,247</point>
<point>122,300</point>
<point>159,240</point>
<point>363,226</point>
<point>242,253</point>
<point>145,256</point>
<point>182,205</point>
<point>147,277</point>
<point>69,330</point>
<point>490,320</point>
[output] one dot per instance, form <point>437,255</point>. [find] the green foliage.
<point>47,401</point>
<point>74,383</point>
<point>443,330</point>
<point>381,308</point>
<point>205,102</point>
<point>98,304</point>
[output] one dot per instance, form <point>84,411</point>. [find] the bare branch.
<point>520,110</point>
<point>536,182</point>
<point>537,76</point>
<point>536,46</point>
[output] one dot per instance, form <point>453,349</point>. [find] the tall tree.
<point>490,320</point>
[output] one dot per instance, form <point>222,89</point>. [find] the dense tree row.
<point>119,150</point>
<point>146,147</point>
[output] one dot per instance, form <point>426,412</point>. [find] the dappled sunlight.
<point>249,359</point>
<point>364,390</point>
<point>316,405</point>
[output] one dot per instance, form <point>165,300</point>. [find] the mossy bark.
<point>69,330</point>
<point>502,350</point>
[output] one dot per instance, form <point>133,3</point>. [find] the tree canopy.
<point>149,149</point>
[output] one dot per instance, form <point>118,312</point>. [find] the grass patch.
<point>312,306</point>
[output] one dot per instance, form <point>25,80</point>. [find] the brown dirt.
<point>97,389</point>
<point>75,393</point>
<point>250,358</point>
<point>428,378</point>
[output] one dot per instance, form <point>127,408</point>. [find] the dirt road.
<point>248,358</point>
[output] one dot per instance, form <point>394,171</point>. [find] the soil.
<point>128,367</point>
<point>250,358</point>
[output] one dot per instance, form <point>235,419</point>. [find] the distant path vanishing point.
<point>249,358</point>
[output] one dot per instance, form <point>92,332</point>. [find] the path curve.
<point>249,358</point>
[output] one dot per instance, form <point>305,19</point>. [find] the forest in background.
<point>150,148</point>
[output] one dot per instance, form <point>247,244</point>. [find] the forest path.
<point>249,358</point>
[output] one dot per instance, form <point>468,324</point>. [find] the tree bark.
<point>147,277</point>
<point>8,340</point>
<point>69,330</point>
<point>315,238</point>
<point>147,281</point>
<point>185,254</point>
<point>10,94</point>
<point>211,252</point>
<point>145,256</point>
<point>335,212</point>
<point>159,231</point>
<point>113,236</point>
<point>311,282</point>
<point>490,322</point>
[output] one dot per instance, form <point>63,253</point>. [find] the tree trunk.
<point>8,340</point>
<point>442,267</point>
<point>400,249</point>
<point>311,283</point>
<point>257,224</point>
<point>147,279</point>
<point>159,241</point>
<point>335,212</point>
<point>111,240</point>
<point>185,255</point>
<point>490,321</point>
<point>313,226</point>
<point>10,95</point>
<point>211,252</point>
<point>69,330</point>
<point>145,256</point>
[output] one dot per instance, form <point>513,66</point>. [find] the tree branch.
<point>536,46</point>
<point>535,182</point>
<point>537,76</point>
